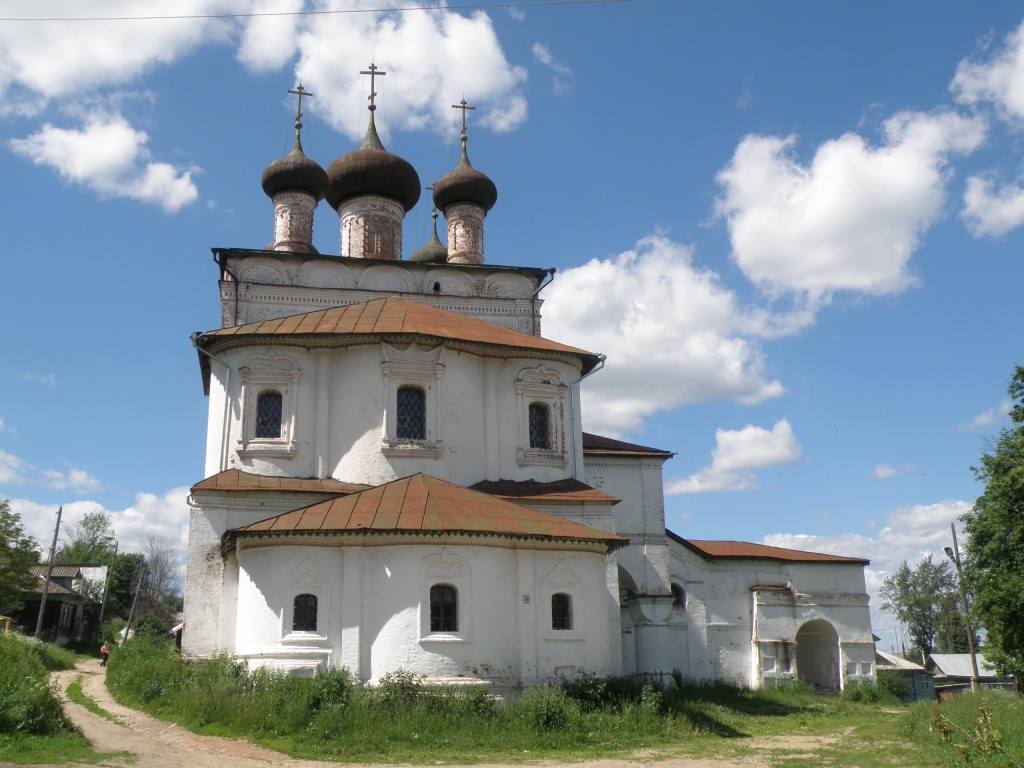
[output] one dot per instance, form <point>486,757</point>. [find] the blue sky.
<point>794,228</point>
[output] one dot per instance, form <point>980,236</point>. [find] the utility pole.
<point>49,573</point>
<point>106,587</point>
<point>954,555</point>
<point>131,613</point>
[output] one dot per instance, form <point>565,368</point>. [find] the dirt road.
<point>151,743</point>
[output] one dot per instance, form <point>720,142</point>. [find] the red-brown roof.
<point>236,480</point>
<point>744,550</point>
<point>569,490</point>
<point>594,445</point>
<point>396,316</point>
<point>424,504</point>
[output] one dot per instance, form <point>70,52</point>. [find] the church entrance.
<point>817,655</point>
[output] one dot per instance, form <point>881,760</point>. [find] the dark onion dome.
<point>372,170</point>
<point>296,172</point>
<point>465,185</point>
<point>433,252</point>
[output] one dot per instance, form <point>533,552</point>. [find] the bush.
<point>892,683</point>
<point>547,710</point>
<point>865,693</point>
<point>28,703</point>
<point>398,688</point>
<point>594,692</point>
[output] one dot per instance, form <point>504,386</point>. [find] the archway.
<point>817,655</point>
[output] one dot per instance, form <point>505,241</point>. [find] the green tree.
<point>18,553</point>
<point>995,543</point>
<point>916,596</point>
<point>90,541</point>
<point>951,636</point>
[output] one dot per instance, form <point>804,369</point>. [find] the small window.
<point>561,611</point>
<point>412,414</point>
<point>540,426</point>
<point>304,613</point>
<point>268,414</point>
<point>444,616</point>
<point>678,598</point>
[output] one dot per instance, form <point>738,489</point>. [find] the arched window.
<point>268,414</point>
<point>540,426</point>
<point>444,608</point>
<point>678,598</point>
<point>411,423</point>
<point>561,611</point>
<point>304,613</point>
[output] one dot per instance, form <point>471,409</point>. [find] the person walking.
<point>105,653</point>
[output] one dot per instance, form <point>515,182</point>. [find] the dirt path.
<point>152,743</point>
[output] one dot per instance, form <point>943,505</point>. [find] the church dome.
<point>372,170</point>
<point>465,184</point>
<point>295,172</point>
<point>434,252</point>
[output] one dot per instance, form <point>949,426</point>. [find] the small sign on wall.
<point>526,599</point>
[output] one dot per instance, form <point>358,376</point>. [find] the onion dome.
<point>295,172</point>
<point>434,252</point>
<point>372,170</point>
<point>465,184</point>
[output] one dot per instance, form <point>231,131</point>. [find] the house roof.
<point>595,445</point>
<point>959,665</point>
<point>236,480</point>
<point>568,490</point>
<point>737,550</point>
<point>59,571</point>
<point>396,316</point>
<point>421,504</point>
<point>885,660</point>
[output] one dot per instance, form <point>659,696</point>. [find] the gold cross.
<point>300,92</point>
<point>465,108</point>
<point>372,72</point>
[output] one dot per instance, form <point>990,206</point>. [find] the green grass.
<point>77,695</point>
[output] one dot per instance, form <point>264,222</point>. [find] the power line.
<point>463,7</point>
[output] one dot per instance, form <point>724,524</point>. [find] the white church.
<point>397,475</point>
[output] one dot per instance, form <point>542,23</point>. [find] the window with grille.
<point>540,426</point>
<point>268,414</point>
<point>304,613</point>
<point>678,598</point>
<point>561,611</point>
<point>411,423</point>
<point>444,615</point>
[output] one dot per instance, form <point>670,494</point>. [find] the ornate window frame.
<point>271,373</point>
<point>305,579</point>
<point>562,580</point>
<point>544,387</point>
<point>416,366</point>
<point>447,569</point>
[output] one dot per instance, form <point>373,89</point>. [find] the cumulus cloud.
<point>665,322</point>
<point>997,78</point>
<point>13,469</point>
<point>562,73</point>
<point>74,479</point>
<point>992,210</point>
<point>987,418</point>
<point>62,58</point>
<point>111,158</point>
<point>434,57</point>
<point>850,219</point>
<point>738,455</point>
<point>165,516</point>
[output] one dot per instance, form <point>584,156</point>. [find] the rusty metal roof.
<point>569,490</point>
<point>59,571</point>
<point>396,316</point>
<point>596,445</point>
<point>743,550</point>
<point>424,504</point>
<point>237,480</point>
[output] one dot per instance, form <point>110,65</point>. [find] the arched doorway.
<point>817,655</point>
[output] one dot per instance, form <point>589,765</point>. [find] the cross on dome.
<point>372,72</point>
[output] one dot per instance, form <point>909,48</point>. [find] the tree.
<point>160,595</point>
<point>951,636</point>
<point>917,598</point>
<point>90,541</point>
<point>994,566</point>
<point>18,553</point>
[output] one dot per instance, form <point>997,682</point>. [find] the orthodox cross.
<point>300,92</point>
<point>372,72</point>
<point>465,108</point>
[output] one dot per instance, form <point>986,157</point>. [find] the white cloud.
<point>7,429</point>
<point>165,516</point>
<point>739,453</point>
<point>852,218</point>
<point>64,58</point>
<point>13,469</point>
<point>910,533</point>
<point>673,335</point>
<point>992,212</point>
<point>111,158</point>
<point>999,79</point>
<point>46,379</point>
<point>987,418</point>
<point>77,480</point>
<point>268,42</point>
<point>885,471</point>
<point>560,81</point>
<point>432,59</point>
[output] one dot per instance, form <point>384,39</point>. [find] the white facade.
<point>531,604</point>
